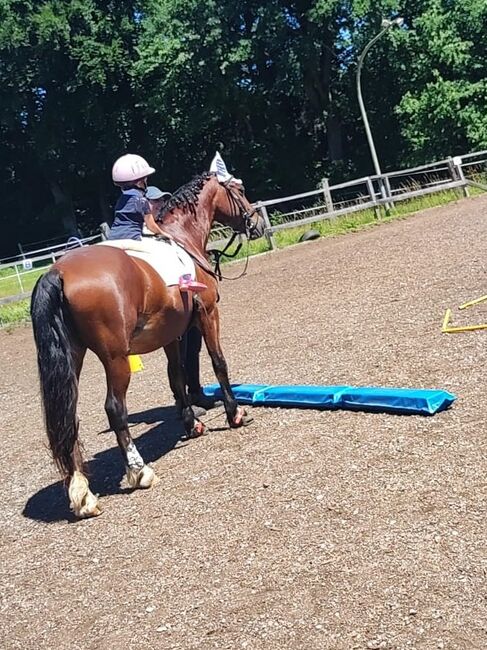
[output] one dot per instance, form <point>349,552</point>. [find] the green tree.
<point>445,110</point>
<point>67,106</point>
<point>272,83</point>
<point>256,76</point>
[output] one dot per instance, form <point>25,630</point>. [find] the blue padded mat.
<point>244,393</point>
<point>302,396</point>
<point>421,401</point>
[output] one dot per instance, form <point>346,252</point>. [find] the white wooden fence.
<point>327,202</point>
<point>22,270</point>
<point>331,201</point>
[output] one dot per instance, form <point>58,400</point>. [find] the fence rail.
<point>18,276</point>
<point>48,253</point>
<point>364,193</point>
<point>456,173</point>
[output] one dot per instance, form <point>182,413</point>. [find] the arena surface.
<point>307,530</point>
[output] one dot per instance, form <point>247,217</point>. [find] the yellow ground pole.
<point>135,363</point>
<point>465,328</point>
<point>470,303</point>
<point>446,320</point>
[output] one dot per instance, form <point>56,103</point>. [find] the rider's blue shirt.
<point>130,210</point>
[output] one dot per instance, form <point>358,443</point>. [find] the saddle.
<point>170,261</point>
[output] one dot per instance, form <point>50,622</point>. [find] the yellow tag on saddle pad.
<point>135,363</point>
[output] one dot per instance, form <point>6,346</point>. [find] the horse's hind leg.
<point>210,327</point>
<point>82,500</point>
<point>118,378</point>
<point>192,426</point>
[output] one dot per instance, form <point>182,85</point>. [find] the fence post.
<point>456,172</point>
<point>457,167</point>
<point>384,192</point>
<point>19,280</point>
<point>387,184</point>
<point>451,168</point>
<point>325,184</point>
<point>370,188</point>
<point>268,234</point>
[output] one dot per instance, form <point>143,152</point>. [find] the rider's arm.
<point>152,225</point>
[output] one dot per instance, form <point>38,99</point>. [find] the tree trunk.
<point>334,137</point>
<point>104,204</point>
<point>64,206</point>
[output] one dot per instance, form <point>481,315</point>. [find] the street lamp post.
<point>386,25</point>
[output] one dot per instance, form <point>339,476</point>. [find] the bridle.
<point>249,226</point>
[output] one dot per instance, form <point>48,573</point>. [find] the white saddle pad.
<point>168,259</point>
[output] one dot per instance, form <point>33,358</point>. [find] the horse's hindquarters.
<point>119,303</point>
<point>105,293</point>
<point>167,317</point>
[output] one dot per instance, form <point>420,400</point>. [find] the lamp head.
<point>386,23</point>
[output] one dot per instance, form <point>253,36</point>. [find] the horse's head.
<point>233,209</point>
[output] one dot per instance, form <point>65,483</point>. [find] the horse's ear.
<point>219,168</point>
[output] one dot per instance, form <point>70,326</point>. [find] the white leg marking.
<point>134,459</point>
<point>139,474</point>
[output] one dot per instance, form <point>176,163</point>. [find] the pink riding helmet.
<point>130,168</point>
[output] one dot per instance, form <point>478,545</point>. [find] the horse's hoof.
<point>87,513</point>
<point>148,477</point>
<point>88,509</point>
<point>241,419</point>
<point>198,430</point>
<point>83,502</point>
<point>143,478</point>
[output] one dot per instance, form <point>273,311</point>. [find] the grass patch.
<point>9,283</point>
<point>364,218</point>
<point>15,312</point>
<point>327,227</point>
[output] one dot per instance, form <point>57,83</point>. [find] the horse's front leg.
<point>210,326</point>
<point>192,426</point>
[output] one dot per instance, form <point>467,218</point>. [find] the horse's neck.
<point>191,227</point>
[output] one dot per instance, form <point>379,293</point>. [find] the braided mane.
<point>186,195</point>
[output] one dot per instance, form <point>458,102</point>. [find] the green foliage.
<point>446,117</point>
<point>444,111</point>
<point>13,313</point>
<point>270,83</point>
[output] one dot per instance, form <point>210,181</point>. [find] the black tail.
<point>57,373</point>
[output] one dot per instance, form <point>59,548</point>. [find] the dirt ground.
<point>307,530</point>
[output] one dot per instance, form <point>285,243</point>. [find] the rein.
<point>218,254</point>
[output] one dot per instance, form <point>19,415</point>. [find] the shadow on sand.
<point>106,469</point>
